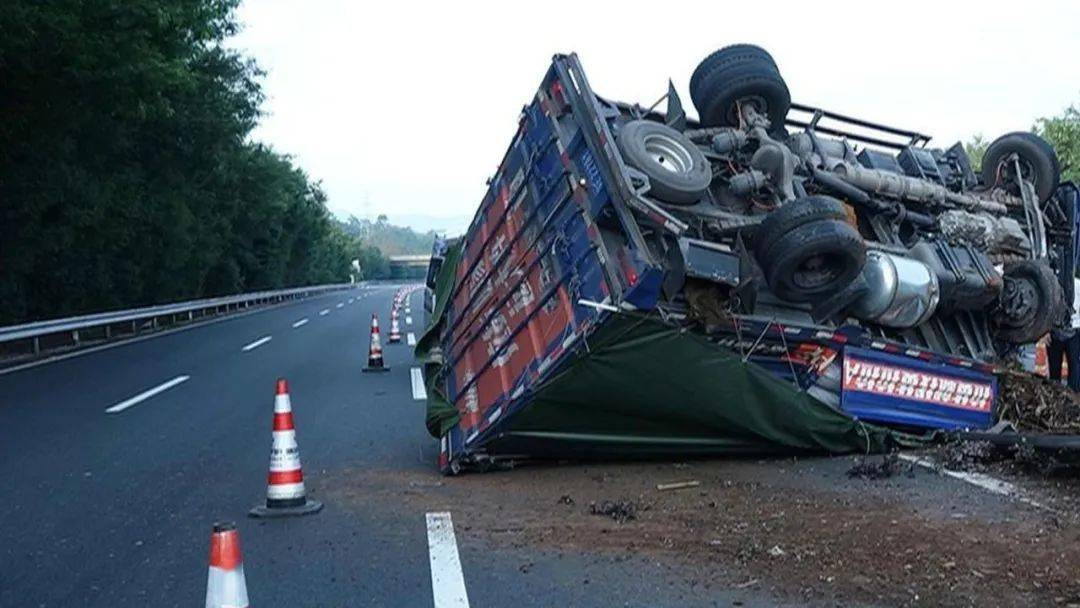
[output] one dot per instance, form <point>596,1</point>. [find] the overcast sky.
<point>405,108</point>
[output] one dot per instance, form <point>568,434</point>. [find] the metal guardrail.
<point>139,317</point>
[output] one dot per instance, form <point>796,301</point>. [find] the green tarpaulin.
<point>646,387</point>
<point>441,414</point>
<point>643,387</point>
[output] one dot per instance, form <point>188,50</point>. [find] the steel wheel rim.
<point>668,153</point>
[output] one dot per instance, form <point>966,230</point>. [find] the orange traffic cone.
<point>375,358</point>
<point>285,493</point>
<point>225,584</point>
<point>395,331</point>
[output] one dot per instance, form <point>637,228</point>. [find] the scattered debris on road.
<point>1034,404</point>
<point>882,467</point>
<point>967,455</point>
<point>678,485</point>
<point>843,545</point>
<point>621,511</point>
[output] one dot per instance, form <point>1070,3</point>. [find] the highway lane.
<point>114,509</point>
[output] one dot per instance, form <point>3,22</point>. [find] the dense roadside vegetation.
<point>388,238</point>
<point>127,174</point>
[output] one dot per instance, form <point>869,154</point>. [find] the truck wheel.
<point>814,260</point>
<point>724,57</point>
<point>677,170</point>
<point>1031,302</point>
<point>1038,162</point>
<point>737,77</point>
<point>792,215</point>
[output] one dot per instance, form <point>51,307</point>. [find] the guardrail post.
<point>190,315</point>
<point>108,332</point>
<point>37,345</point>
<point>75,337</point>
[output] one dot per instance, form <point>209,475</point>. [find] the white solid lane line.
<point>143,396</point>
<point>300,323</point>
<point>408,320</point>
<point>418,390</point>
<point>257,343</point>
<point>410,338</point>
<point>447,581</point>
<point>980,480</point>
<point>340,304</point>
<point>324,312</point>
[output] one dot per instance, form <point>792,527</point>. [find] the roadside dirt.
<point>804,531</point>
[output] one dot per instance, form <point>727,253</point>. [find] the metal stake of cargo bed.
<point>759,338</point>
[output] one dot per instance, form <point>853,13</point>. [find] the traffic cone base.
<point>285,493</point>
<point>306,507</point>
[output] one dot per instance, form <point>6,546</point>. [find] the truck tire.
<point>814,260</point>
<point>726,56</point>
<point>1031,302</point>
<point>737,78</point>
<point>1038,162</point>
<point>677,170</point>
<point>792,215</point>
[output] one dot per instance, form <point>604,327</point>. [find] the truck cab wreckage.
<point>773,277</point>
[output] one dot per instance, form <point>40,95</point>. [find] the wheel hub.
<point>668,153</point>
<point>816,271</point>
<point>1020,300</point>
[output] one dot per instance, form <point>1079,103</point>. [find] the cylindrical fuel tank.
<point>903,292</point>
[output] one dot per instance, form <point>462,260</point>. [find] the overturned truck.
<point>772,277</point>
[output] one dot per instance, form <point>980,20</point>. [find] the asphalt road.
<point>115,509</point>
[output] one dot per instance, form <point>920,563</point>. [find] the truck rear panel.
<point>533,252</point>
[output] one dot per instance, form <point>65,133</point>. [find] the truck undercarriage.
<point>844,221</point>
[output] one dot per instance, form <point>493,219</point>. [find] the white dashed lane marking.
<point>324,312</point>
<point>447,580</point>
<point>257,343</point>
<point>300,323</point>
<point>410,338</point>
<point>143,396</point>
<point>418,391</point>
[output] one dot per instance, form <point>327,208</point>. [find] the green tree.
<point>127,173</point>
<point>389,238</point>
<point>975,149</point>
<point>1063,132</point>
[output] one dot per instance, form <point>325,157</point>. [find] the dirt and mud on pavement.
<point>803,531</point>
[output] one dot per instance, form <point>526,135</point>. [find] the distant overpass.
<point>410,261</point>
<point>409,266</point>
